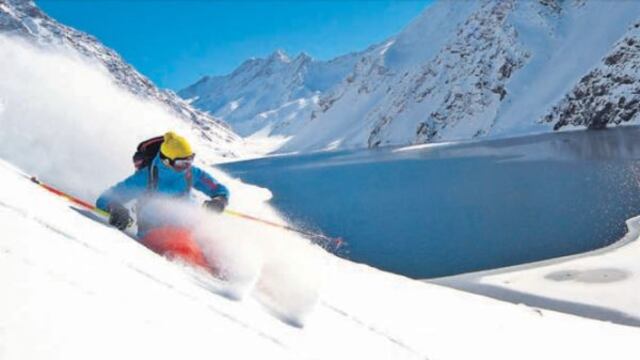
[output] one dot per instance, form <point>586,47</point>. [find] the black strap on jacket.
<point>152,184</point>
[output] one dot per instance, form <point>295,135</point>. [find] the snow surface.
<point>74,288</point>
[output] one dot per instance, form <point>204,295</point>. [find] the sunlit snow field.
<point>430,211</point>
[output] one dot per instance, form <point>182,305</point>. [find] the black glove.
<point>119,216</point>
<point>216,204</point>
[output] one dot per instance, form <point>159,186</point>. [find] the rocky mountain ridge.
<point>608,94</point>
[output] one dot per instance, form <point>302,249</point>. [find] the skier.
<point>166,171</point>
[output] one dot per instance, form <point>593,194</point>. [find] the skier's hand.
<point>216,204</point>
<point>119,216</point>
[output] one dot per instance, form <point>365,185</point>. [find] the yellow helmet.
<point>175,146</point>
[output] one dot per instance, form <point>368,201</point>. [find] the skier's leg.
<point>175,242</point>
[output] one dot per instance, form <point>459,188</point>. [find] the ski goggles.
<point>182,163</point>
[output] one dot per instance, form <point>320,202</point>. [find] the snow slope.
<point>74,288</point>
<point>469,69</point>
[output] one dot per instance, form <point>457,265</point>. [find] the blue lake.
<point>451,209</point>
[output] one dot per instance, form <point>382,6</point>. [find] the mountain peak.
<point>303,56</point>
<point>279,55</point>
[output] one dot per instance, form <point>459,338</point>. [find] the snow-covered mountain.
<point>24,19</point>
<point>275,92</point>
<point>463,70</point>
<point>608,94</point>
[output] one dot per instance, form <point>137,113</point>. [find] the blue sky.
<point>176,42</point>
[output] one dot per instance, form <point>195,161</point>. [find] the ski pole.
<point>71,198</point>
<point>335,241</point>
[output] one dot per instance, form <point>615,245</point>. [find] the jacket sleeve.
<point>204,182</point>
<point>124,191</point>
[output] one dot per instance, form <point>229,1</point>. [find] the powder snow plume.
<point>285,272</point>
<point>65,120</point>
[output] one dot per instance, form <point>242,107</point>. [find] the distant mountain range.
<point>24,19</point>
<point>460,70</point>
<point>271,91</point>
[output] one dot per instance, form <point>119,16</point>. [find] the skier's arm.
<point>204,182</point>
<point>124,191</point>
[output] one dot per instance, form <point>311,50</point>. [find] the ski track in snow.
<point>373,329</point>
<point>209,307</point>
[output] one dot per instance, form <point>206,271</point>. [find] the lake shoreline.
<point>573,284</point>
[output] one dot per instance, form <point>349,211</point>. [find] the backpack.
<point>146,151</point>
<point>144,155</point>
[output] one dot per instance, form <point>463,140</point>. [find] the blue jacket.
<point>170,183</point>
